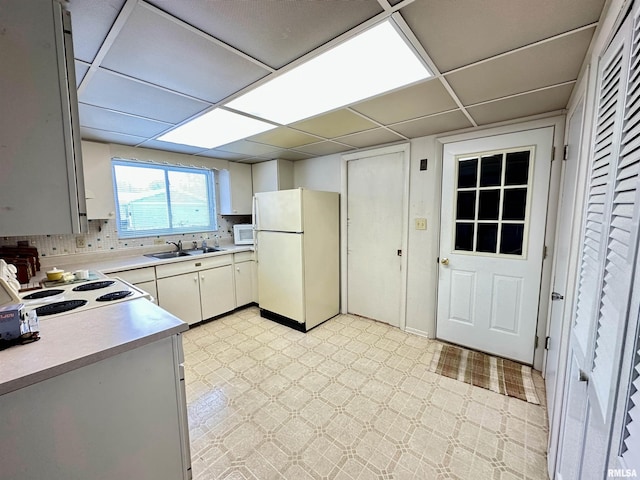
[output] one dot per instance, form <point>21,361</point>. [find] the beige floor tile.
<point>351,399</point>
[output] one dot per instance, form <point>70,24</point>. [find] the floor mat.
<point>493,373</point>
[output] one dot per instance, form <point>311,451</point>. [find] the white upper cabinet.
<point>41,184</point>
<point>98,180</point>
<point>272,175</point>
<point>236,189</point>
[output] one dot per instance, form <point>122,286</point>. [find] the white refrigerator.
<point>297,246</point>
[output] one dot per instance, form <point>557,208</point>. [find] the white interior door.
<point>558,329</point>
<point>494,203</point>
<point>375,193</point>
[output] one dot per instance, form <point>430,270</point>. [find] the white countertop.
<point>115,262</point>
<point>78,339</point>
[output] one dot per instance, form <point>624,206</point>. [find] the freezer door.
<point>279,211</point>
<point>281,274</point>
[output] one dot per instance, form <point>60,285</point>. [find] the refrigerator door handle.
<point>254,215</point>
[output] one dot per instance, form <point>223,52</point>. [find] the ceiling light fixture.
<point>215,128</point>
<point>375,61</point>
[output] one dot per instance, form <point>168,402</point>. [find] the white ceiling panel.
<point>324,148</point>
<point>423,99</point>
<point>223,155</point>
<point>284,137</point>
<point>542,101</point>
<point>162,51</point>
<point>457,33</point>
<point>370,138</point>
<point>248,148</point>
<point>102,118</point>
<point>443,122</point>
<point>116,92</point>
<point>274,32</point>
<point>81,71</point>
<point>91,21</point>
<point>109,137</point>
<point>542,65</point>
<point>174,147</point>
<point>335,124</point>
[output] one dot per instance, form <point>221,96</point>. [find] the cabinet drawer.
<point>192,265</point>
<point>138,275</point>
<point>243,257</point>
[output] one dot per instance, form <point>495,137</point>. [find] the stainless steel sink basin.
<point>165,255</point>
<point>200,251</point>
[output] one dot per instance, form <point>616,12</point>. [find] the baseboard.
<point>417,332</point>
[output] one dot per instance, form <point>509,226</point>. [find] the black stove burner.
<point>42,294</point>
<point>107,297</point>
<point>93,286</point>
<point>59,307</point>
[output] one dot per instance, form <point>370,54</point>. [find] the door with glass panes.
<point>494,203</point>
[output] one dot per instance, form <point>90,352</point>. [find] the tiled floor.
<point>352,399</point>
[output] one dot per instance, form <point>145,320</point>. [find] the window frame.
<point>166,168</point>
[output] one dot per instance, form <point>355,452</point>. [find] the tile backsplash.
<point>103,237</point>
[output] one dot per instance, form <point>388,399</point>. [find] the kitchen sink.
<point>165,255</point>
<point>200,251</point>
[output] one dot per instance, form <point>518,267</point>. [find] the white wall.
<point>320,173</point>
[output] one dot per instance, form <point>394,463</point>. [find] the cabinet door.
<point>244,283</point>
<point>180,295</point>
<point>98,184</point>
<point>217,292</point>
<point>236,189</point>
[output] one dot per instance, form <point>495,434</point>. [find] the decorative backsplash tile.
<point>103,236</point>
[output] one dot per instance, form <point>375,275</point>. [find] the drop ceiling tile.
<point>324,148</point>
<point>103,119</point>
<point>81,71</point>
<point>547,100</point>
<point>284,154</point>
<point>161,51</point>
<point>543,65</point>
<point>273,32</point>
<point>247,148</point>
<point>419,100</point>
<point>223,155</point>
<point>370,138</point>
<point>91,21</point>
<point>443,122</point>
<point>335,124</point>
<point>465,31</point>
<point>109,137</point>
<point>284,137</point>
<point>171,147</point>
<point>109,90</point>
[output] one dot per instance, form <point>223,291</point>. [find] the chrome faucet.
<point>178,245</point>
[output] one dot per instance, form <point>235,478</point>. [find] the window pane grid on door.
<point>492,201</point>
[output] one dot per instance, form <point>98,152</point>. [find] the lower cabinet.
<point>197,289</point>
<point>180,295</point>
<point>217,294</point>
<point>244,283</point>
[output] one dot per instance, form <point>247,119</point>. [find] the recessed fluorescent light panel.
<point>215,128</point>
<point>373,62</point>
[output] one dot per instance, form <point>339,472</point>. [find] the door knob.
<point>444,261</point>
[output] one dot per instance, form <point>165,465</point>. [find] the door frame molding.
<point>405,150</point>
<point>558,124</point>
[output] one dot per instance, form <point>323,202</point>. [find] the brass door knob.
<point>444,261</point>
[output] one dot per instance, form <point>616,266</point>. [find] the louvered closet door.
<point>625,445</point>
<point>604,279</point>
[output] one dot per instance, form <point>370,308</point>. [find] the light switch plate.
<point>421,223</point>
